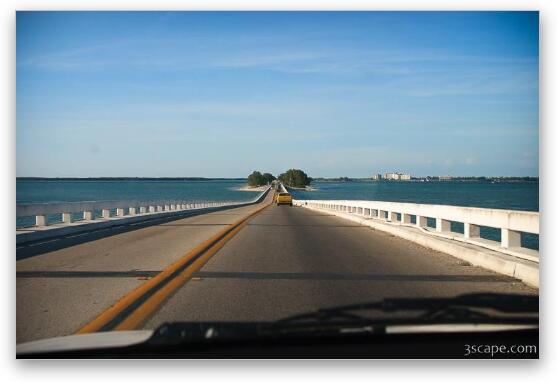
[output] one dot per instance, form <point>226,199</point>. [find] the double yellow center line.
<point>134,308</point>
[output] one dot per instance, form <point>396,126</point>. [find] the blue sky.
<point>221,94</point>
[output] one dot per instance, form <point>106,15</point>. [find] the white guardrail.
<point>122,208</point>
<point>511,222</point>
<point>93,214</point>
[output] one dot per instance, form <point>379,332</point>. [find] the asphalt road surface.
<point>61,285</point>
<point>291,260</point>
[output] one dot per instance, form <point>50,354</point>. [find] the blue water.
<point>504,195</point>
<point>44,191</point>
<point>512,195</point>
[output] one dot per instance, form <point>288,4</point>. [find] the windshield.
<point>147,198</point>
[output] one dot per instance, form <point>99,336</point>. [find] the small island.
<point>257,181</point>
<point>296,179</point>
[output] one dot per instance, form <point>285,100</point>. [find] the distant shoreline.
<point>200,179</point>
<point>494,179</point>
<point>420,180</point>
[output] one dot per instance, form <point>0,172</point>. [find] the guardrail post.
<point>442,225</point>
<point>40,220</point>
<point>159,208</point>
<point>421,221</point>
<point>471,230</point>
<point>88,215</point>
<point>67,217</point>
<point>142,210</point>
<point>132,210</point>
<point>383,215</point>
<point>105,213</point>
<point>405,218</point>
<point>119,212</point>
<point>510,238</point>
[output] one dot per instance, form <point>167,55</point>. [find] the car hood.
<point>85,341</point>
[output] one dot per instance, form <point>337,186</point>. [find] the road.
<point>290,260</point>
<point>286,260</point>
<point>62,285</point>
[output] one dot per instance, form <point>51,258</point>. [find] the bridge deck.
<point>287,260</point>
<point>293,260</point>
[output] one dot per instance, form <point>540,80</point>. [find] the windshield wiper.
<point>469,308</point>
<point>352,319</point>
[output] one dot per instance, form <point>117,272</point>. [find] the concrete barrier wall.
<point>511,222</point>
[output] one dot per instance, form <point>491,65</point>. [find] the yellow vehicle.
<point>283,198</point>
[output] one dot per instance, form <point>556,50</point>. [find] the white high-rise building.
<point>397,176</point>
<point>391,176</point>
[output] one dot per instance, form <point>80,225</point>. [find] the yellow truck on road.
<point>283,198</point>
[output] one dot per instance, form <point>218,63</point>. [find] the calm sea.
<point>510,195</point>
<point>44,191</point>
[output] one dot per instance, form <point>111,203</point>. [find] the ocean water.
<point>45,191</point>
<point>504,195</point>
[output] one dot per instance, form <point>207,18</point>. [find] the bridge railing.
<point>511,223</point>
<point>89,210</point>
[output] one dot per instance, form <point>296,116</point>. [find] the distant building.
<point>391,176</point>
<point>445,177</point>
<point>397,176</point>
<point>376,177</point>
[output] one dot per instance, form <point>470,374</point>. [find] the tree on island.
<point>295,178</point>
<point>268,177</point>
<point>257,179</point>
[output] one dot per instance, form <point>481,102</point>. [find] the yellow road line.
<point>167,282</point>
